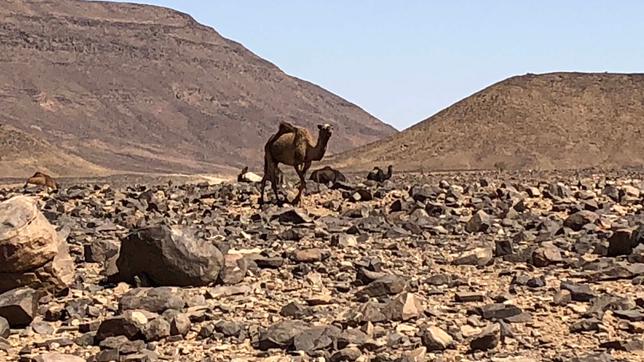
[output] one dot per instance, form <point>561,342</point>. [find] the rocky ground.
<point>457,267</point>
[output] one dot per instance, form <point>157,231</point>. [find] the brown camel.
<point>41,179</point>
<point>293,146</point>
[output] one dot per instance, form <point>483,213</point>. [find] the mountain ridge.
<point>140,88</point>
<point>532,121</point>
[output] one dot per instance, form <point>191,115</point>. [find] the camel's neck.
<point>318,151</point>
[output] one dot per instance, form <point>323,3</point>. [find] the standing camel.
<point>293,146</point>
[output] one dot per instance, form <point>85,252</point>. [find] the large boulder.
<point>31,252</point>
<point>168,256</point>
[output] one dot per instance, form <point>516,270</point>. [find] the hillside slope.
<point>143,88</point>
<point>21,155</point>
<point>549,121</point>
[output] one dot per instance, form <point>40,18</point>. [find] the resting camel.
<point>377,174</point>
<point>327,175</point>
<point>293,146</point>
<point>41,179</point>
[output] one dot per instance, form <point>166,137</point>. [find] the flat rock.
<point>57,357</point>
<point>309,255</point>
<point>478,256</point>
<point>497,311</point>
<point>387,285</point>
<point>280,335</point>
<point>155,300</point>
<point>579,292</point>
<point>436,339</point>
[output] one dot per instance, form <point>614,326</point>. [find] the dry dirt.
<point>327,280</point>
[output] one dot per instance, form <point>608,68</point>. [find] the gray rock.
<point>479,222</point>
<point>5,329</point>
<point>436,339</point>
<point>100,250</point>
<point>346,354</point>
<point>579,292</point>
<point>579,219</point>
<point>228,329</point>
<point>478,256</point>
<point>120,326</point>
<point>497,311</point>
<point>315,338</point>
<point>169,257</point>
<point>621,242</point>
<point>180,325</point>
<point>155,300</point>
<point>156,330</point>
<point>387,285</point>
<point>585,325</point>
<point>487,339</point>
<point>18,306</point>
<point>280,335</point>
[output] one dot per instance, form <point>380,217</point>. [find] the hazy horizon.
<point>405,62</point>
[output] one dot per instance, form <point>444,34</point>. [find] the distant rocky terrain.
<point>478,266</point>
<point>139,88</point>
<point>549,121</point>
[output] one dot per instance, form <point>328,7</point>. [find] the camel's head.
<point>326,130</point>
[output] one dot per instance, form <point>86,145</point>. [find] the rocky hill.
<point>140,88</point>
<point>549,121</point>
<point>22,154</point>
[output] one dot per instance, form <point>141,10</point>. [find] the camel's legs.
<point>266,177</point>
<point>301,173</point>
<point>275,180</point>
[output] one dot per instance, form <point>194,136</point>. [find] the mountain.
<point>139,88</point>
<point>547,121</point>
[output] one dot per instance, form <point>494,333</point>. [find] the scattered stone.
<point>436,339</point>
<point>579,292</point>
<point>404,307</point>
<point>280,335</point>
<point>57,357</point>
<point>18,306</point>
<point>478,256</point>
<point>155,300</point>
<point>156,330</point>
<point>387,285</point>
<point>309,255</point>
<point>498,311</point>
<point>479,222</point>
<point>579,219</point>
<point>486,340</point>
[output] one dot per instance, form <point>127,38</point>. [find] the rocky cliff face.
<point>142,88</point>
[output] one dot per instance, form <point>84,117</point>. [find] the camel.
<point>327,175</point>
<point>41,179</point>
<point>293,146</point>
<point>378,175</point>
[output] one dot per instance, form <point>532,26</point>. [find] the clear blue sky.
<point>403,61</point>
